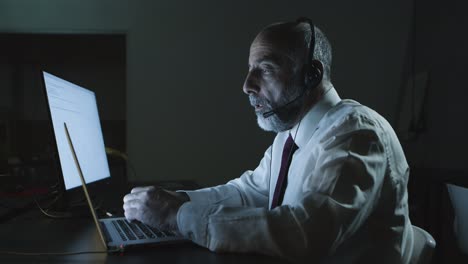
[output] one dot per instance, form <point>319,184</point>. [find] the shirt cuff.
<point>192,220</point>
<point>196,196</point>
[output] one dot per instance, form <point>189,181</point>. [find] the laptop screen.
<point>76,106</point>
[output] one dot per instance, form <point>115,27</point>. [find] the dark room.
<point>247,131</point>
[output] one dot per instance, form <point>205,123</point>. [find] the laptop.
<point>76,121</point>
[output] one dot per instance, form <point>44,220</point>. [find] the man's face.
<point>272,82</point>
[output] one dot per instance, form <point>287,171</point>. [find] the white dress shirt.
<point>345,201</point>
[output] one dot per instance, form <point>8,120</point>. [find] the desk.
<point>33,232</point>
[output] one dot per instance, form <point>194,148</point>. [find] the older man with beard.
<point>332,186</point>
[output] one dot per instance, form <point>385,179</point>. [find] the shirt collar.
<point>309,122</point>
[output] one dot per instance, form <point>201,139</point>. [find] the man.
<point>331,187</point>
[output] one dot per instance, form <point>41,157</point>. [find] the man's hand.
<point>154,206</point>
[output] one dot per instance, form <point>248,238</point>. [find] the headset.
<point>312,74</point>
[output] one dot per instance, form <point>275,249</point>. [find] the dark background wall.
<point>441,51</point>
<point>435,147</point>
<point>168,77</point>
<point>186,115</point>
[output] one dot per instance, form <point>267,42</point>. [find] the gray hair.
<point>322,49</point>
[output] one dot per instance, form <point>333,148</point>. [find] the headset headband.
<point>311,46</point>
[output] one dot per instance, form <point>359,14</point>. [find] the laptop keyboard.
<point>137,230</point>
<point>122,235</point>
<point>126,229</point>
<point>145,230</point>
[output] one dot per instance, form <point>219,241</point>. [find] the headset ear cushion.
<point>313,77</point>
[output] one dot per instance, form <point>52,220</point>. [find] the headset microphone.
<point>313,75</point>
<point>281,108</point>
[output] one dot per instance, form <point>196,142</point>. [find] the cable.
<point>46,213</point>
<point>58,253</point>
<point>122,155</point>
<point>130,165</point>
<point>60,215</point>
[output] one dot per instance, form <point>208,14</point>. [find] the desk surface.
<point>33,232</point>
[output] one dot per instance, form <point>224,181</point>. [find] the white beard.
<point>272,123</point>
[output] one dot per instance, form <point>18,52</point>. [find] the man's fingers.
<point>141,189</point>
<point>136,196</point>
<point>131,214</point>
<point>130,196</point>
<point>132,204</point>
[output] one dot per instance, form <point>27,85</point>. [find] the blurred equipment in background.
<point>459,196</point>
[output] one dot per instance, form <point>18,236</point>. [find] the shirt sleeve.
<point>350,168</point>
<point>250,189</point>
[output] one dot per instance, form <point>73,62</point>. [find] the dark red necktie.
<point>288,150</point>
